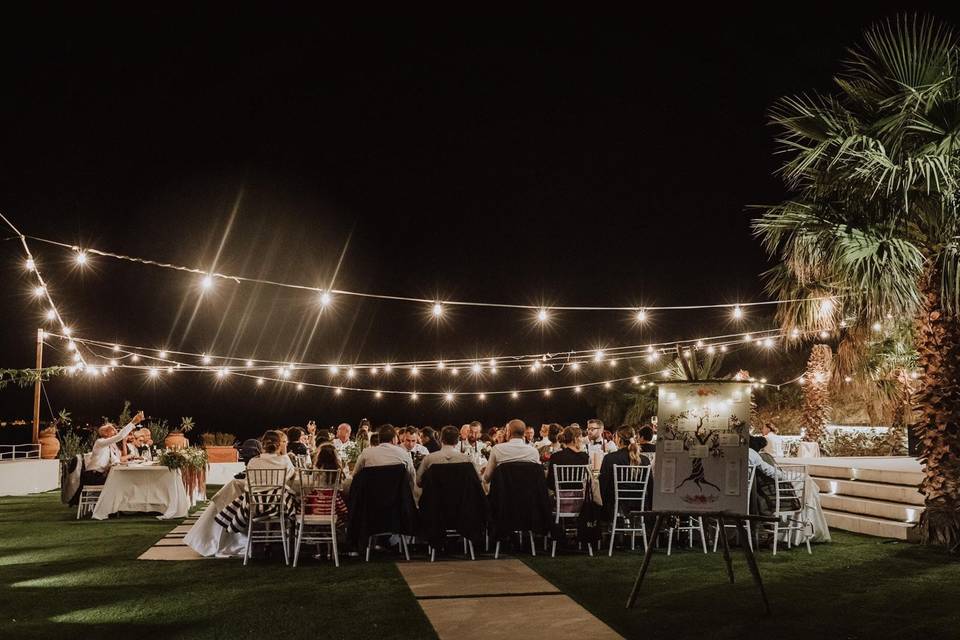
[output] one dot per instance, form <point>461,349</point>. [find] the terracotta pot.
<point>176,440</point>
<point>221,454</point>
<point>49,444</point>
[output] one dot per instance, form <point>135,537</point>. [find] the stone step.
<point>896,511</point>
<point>873,490</point>
<point>870,526</point>
<point>885,476</point>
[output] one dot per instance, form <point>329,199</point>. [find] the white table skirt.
<point>821,532</point>
<point>144,488</point>
<point>208,538</point>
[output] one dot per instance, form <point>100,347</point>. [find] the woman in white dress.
<point>774,443</point>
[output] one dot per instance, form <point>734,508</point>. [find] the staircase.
<point>872,496</point>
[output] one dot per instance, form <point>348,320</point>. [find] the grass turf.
<point>855,587</point>
<point>64,578</point>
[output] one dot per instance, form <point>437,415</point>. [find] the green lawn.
<point>855,587</point>
<point>63,578</point>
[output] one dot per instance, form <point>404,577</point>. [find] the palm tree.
<point>873,224</point>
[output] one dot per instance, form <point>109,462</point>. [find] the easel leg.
<point>657,525</point>
<point>754,569</point>
<point>722,532</point>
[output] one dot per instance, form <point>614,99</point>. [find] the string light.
<point>374,371</point>
<point>476,368</point>
<point>641,315</point>
<point>577,389</point>
<point>575,366</point>
<point>113,363</point>
<point>153,372</point>
<point>747,338</point>
<point>437,309</point>
<point>299,386</point>
<point>334,370</point>
<point>325,299</point>
<point>481,396</point>
<point>30,264</point>
<point>454,371</point>
<point>547,392</point>
<point>51,314</point>
<point>351,373</point>
<point>514,395</point>
<point>387,368</point>
<point>162,355</point>
<point>39,290</point>
<point>378,395</point>
<point>81,258</point>
<point>71,346</point>
<point>543,315</point>
<point>598,355</point>
<point>135,358</point>
<point>249,363</point>
<point>67,331</point>
<point>205,359</point>
<point>441,365</point>
<point>207,282</point>
<point>413,396</point>
<point>414,371</point>
<point>448,397</point>
<point>737,313</point>
<point>259,382</point>
<point>607,385</point>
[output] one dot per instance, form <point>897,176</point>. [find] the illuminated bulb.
<point>514,395</point>
<point>441,365</point>
<point>598,355</point>
<point>763,381</point>
<point>221,373</point>
<point>711,349</point>
<point>113,363</point>
<point>334,370</point>
<point>134,358</point>
<point>414,370</point>
<point>351,372</point>
<point>387,368</point>
<point>546,392</point>
<point>575,366</point>
<point>437,309</point>
<point>413,396</point>
<point>51,314</point>
<point>448,397</point>
<point>723,348</point>
<point>795,333</point>
<point>747,338</point>
<point>542,315</point>
<point>476,368</point>
<point>299,386</point>
<point>67,331</point>
<point>116,348</point>
<point>205,359</point>
<point>154,372</point>
<point>577,389</point>
<point>374,371</point>
<point>641,315</point>
<point>686,353</point>
<point>92,371</point>
<point>613,363</point>
<point>169,369</point>
<point>77,357</point>
<point>767,343</point>
<point>38,290</point>
<point>454,371</point>
<point>493,371</point>
<point>226,371</point>
<point>699,344</point>
<point>249,363</point>
<point>378,395</point>
<point>635,380</point>
<point>338,391</point>
<point>30,264</point>
<point>285,373</point>
<point>737,313</point>
<point>71,346</point>
<point>651,357</point>
<point>847,379</point>
<point>259,381</point>
<point>492,362</point>
<point>536,365</point>
<point>607,385</point>
<point>162,355</point>
<point>207,282</point>
<point>481,396</point>
<point>325,299</point>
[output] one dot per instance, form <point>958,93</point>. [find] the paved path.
<point>491,599</point>
<point>171,546</point>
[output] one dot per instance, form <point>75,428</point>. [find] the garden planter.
<point>176,440</point>
<point>221,454</point>
<point>49,444</point>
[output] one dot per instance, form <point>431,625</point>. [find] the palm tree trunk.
<point>938,425</point>
<point>816,394</point>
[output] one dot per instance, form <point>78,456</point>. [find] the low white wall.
<point>22,477</point>
<point>223,472</point>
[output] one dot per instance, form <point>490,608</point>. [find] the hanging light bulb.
<point>207,282</point>
<point>493,371</point>
<point>285,373</point>
<point>613,362</point>
<point>162,355</point>
<point>414,371</point>
<point>338,391</point>
<point>723,348</point>
<point>30,264</point>
<point>169,369</point>
<point>374,371</point>
<point>51,314</point>
<point>259,382</point>
<point>437,309</point>
<point>448,397</point>
<point>454,371</point>
<point>81,258</point>
<point>543,315</point>
<point>71,345</point>
<point>767,342</point>
<point>441,365</point>
<point>387,368</point>
<point>699,344</point>
<point>249,363</point>
<point>378,395</point>
<point>481,396</point>
<point>476,368</point>
<point>711,349</point>
<point>39,290</point>
<point>351,372</point>
<point>514,395</point>
<point>299,386</point>
<point>325,299</point>
<point>334,370</point>
<point>737,313</point>
<point>547,392</point>
<point>641,315</point>
<point>413,396</point>
<point>154,372</point>
<point>747,338</point>
<point>493,363</point>
<point>577,389</point>
<point>635,380</point>
<point>598,355</point>
<point>205,359</point>
<point>575,366</point>
<point>134,358</point>
<point>113,363</point>
<point>607,384</point>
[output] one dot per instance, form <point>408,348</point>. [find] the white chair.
<point>571,486</point>
<point>790,508</point>
<point>89,496</point>
<point>690,524</point>
<point>317,517</point>
<point>302,461</point>
<point>630,491</point>
<point>750,475</point>
<point>266,497</point>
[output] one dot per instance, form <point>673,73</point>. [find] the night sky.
<point>572,162</point>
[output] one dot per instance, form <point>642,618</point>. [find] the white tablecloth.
<point>143,487</point>
<point>208,538</point>
<point>821,532</point>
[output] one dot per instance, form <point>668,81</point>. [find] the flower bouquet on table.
<point>192,463</point>
<point>350,451</point>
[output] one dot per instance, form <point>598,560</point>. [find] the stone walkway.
<point>171,546</point>
<point>460,598</point>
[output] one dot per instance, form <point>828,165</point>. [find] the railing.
<point>19,452</point>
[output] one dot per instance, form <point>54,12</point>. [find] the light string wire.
<point>419,300</point>
<point>415,393</point>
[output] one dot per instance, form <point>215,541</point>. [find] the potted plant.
<point>177,438</point>
<point>49,443</point>
<point>219,446</point>
<point>158,432</point>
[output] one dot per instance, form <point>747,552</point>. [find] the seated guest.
<point>627,453</point>
<point>448,453</point>
<point>764,499</point>
<point>529,435</point>
<point>513,450</point>
<point>249,450</point>
<point>145,448</point>
<point>428,438</point>
<point>327,459</point>
<point>411,441</point>
<point>470,443</point>
<point>343,436</point>
<point>130,449</point>
<point>570,452</point>
<point>297,447</point>
<point>387,452</point>
<point>273,456</point>
<point>774,442</point>
<point>550,440</point>
<point>105,453</point>
<point>645,439</point>
<point>595,441</point>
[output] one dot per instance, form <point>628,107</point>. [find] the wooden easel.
<point>720,518</point>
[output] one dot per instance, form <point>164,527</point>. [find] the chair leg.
<point>716,535</point>
<point>590,549</point>
<point>406,551</point>
<point>776,534</point>
<point>432,554</point>
<point>613,533</point>
<point>703,537</point>
<point>296,551</point>
<point>333,543</point>
<point>496,551</point>
<point>246,551</point>
<point>749,537</point>
<point>369,544</point>
<point>553,552</point>
<point>470,546</point>
<point>669,541</point>
<point>633,540</point>
<point>533,546</point>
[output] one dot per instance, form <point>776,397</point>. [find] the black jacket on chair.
<point>452,499</point>
<point>607,495</point>
<point>518,499</point>
<point>380,502</point>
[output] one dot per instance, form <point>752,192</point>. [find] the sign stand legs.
<point>657,526</point>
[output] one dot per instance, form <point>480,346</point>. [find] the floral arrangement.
<point>188,458</point>
<point>351,450</point>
